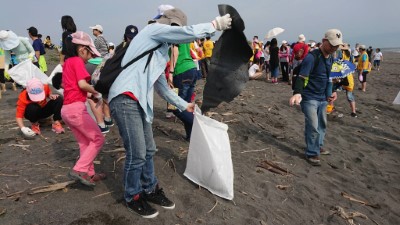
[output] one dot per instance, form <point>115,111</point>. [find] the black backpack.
<point>112,68</point>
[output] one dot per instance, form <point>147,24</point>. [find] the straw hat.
<point>344,46</point>
<point>8,40</point>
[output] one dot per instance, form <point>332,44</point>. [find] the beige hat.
<point>344,46</point>
<point>97,27</point>
<point>334,36</point>
<point>362,47</point>
<point>302,38</point>
<point>173,16</point>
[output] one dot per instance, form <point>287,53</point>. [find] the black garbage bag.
<point>227,74</point>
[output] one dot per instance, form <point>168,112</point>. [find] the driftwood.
<point>52,187</point>
<point>351,198</point>
<point>114,150</point>
<point>275,168</point>
<point>349,217</point>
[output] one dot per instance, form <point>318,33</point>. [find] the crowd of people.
<point>179,57</point>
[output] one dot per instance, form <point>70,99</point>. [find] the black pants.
<point>34,112</point>
<point>2,78</point>
<point>285,71</point>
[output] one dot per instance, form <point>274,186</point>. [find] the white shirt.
<point>253,69</point>
<point>378,56</point>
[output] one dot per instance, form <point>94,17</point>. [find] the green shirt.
<point>184,61</point>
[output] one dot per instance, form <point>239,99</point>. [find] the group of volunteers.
<point>130,98</point>
<point>167,54</point>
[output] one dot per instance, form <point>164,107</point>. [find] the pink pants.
<point>86,132</point>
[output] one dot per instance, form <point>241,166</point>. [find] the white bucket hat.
<point>8,40</point>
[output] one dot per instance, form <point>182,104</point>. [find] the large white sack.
<point>209,162</point>
<point>57,69</point>
<point>397,99</point>
<point>25,71</point>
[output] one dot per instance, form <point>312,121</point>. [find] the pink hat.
<point>82,38</point>
<point>35,90</point>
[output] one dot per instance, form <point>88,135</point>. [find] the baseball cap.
<point>302,38</point>
<point>33,31</point>
<point>173,16</point>
<point>97,27</point>
<point>35,90</point>
<point>161,9</point>
<point>334,36</point>
<point>284,42</point>
<point>8,40</point>
<point>130,31</point>
<point>362,47</point>
<point>82,38</point>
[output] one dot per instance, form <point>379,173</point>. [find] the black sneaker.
<point>158,197</point>
<point>353,115</point>
<point>104,130</point>
<point>140,206</point>
<point>109,123</point>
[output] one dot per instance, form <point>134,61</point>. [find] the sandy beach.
<point>360,179</point>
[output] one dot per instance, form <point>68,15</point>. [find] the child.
<point>76,86</point>
<point>255,71</point>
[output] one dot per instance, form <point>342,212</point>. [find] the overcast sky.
<point>369,22</point>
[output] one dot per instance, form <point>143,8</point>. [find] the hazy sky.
<point>369,22</point>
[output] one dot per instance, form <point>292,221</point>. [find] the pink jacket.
<point>283,54</point>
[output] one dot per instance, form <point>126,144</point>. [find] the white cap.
<point>161,9</point>
<point>334,36</point>
<point>302,38</point>
<point>97,27</point>
<point>284,42</point>
<point>110,44</point>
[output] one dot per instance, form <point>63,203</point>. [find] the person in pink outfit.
<point>75,81</point>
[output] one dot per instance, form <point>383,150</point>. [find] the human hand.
<point>53,96</point>
<point>98,99</point>
<point>27,132</point>
<point>190,107</point>
<point>333,97</point>
<point>295,100</point>
<point>222,22</point>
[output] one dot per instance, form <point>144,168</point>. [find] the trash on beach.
<point>272,167</point>
<point>52,187</point>
<point>349,217</point>
<point>351,198</point>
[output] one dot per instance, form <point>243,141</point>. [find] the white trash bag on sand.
<point>397,99</point>
<point>25,71</point>
<point>209,162</point>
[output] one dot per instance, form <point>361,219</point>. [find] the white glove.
<point>98,99</point>
<point>222,22</point>
<point>27,132</point>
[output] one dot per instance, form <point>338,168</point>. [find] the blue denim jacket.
<point>142,82</point>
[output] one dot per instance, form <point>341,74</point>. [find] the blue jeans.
<point>137,135</point>
<point>186,83</point>
<point>315,125</point>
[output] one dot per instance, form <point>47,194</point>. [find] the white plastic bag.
<point>25,71</point>
<point>57,69</point>
<point>209,162</point>
<point>397,99</point>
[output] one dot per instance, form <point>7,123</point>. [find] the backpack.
<point>112,68</point>
<point>296,71</point>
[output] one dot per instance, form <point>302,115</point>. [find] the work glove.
<point>98,99</point>
<point>222,22</point>
<point>27,132</point>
